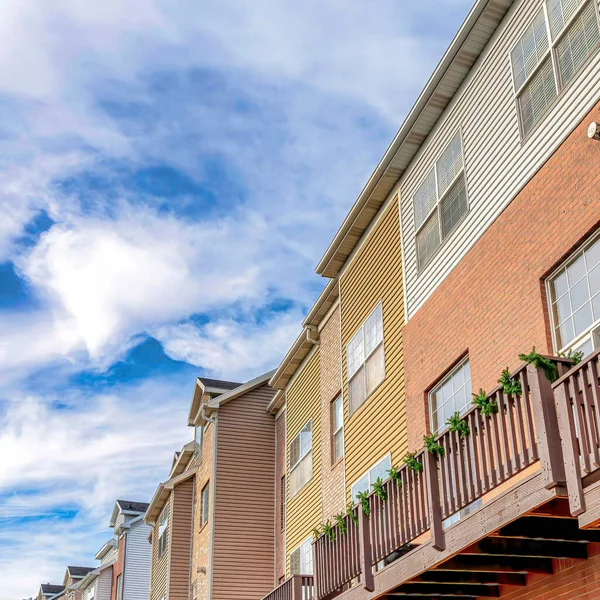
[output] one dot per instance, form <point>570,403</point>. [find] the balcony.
<point>297,587</point>
<point>534,466</point>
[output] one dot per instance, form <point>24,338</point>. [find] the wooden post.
<point>297,587</point>
<point>366,555</point>
<point>433,501</point>
<point>570,449</point>
<point>546,427</point>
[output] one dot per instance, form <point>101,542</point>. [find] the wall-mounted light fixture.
<point>594,131</point>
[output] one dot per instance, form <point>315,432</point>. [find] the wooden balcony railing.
<point>297,587</point>
<point>523,431</point>
<point>577,396</point>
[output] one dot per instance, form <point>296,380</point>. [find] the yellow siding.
<point>374,275</point>
<point>303,403</point>
<point>160,566</point>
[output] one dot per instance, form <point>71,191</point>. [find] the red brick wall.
<point>493,303</point>
<point>571,581</point>
<point>118,567</point>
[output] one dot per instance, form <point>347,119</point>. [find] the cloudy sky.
<point>170,173</point>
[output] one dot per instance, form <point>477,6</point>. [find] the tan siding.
<point>374,275</point>
<point>160,566</point>
<point>244,503</point>
<point>181,540</point>
<point>280,494</point>
<point>303,399</point>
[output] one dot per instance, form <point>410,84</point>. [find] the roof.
<point>77,572</point>
<point>51,589</point>
<point>240,390</point>
<point>218,384</point>
<point>106,548</point>
<point>163,491</point>
<point>129,506</point>
<point>205,389</point>
<point>464,50</point>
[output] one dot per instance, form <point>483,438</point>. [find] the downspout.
<point>212,505</point>
<point>312,334</point>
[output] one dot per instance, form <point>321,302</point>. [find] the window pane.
<point>452,395</point>
<point>356,391</point>
<point>360,486</point>
<point>424,199</point>
<point>295,562</point>
<point>375,369</point>
<point>373,330</point>
<point>559,13</point>
<point>454,207</point>
<point>449,164</point>
<point>355,352</point>
<point>587,347</point>
<point>294,451</point>
<point>428,240</point>
<point>596,307</point>
<point>306,439</point>
<point>530,49</point>
<point>337,411</point>
<point>579,294</point>
<point>578,43</point>
<point>338,445</point>
<point>582,319</point>
<point>592,255</point>
<point>380,470</point>
<point>576,271</point>
<point>536,96</point>
<point>565,333</point>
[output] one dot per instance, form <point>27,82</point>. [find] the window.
<point>195,591</point>
<point>199,434</point>
<point>301,459</point>
<point>452,395</point>
<point>90,593</point>
<point>163,531</point>
<point>120,587</point>
<point>301,562</point>
<point>380,469</point>
<point>574,293</point>
<point>545,59</point>
<point>283,499</point>
<point>440,202</point>
<point>337,429</point>
<point>204,505</point>
<point>365,360</point>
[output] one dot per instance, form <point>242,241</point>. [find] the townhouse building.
<point>73,576</point>
<point>50,590</point>
<point>212,520</point>
<point>475,240</point>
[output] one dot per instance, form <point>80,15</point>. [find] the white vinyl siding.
<point>378,470</point>
<point>337,429</point>
<point>574,293</point>
<point>301,460</point>
<point>498,163</point>
<point>301,559</point>
<point>453,394</point>
<point>365,357</point>
<point>139,555</point>
<point>569,39</point>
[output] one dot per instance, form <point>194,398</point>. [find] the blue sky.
<point>170,174</point>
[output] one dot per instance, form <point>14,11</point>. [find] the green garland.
<point>379,490</point>
<point>576,357</point>
<point>541,362</point>
<point>459,425</point>
<point>394,475</point>
<point>412,463</point>
<point>487,406</point>
<point>363,498</point>
<point>329,531</point>
<point>509,384</point>
<point>432,446</point>
<point>340,519</point>
<point>350,513</point>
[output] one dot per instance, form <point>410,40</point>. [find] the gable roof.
<point>129,506</point>
<point>50,589</point>
<point>218,384</point>
<point>205,389</point>
<point>79,572</point>
<point>456,63</point>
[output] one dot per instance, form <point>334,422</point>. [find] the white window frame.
<point>592,333</point>
<point>120,586</point>
<point>369,474</point>
<point>338,432</point>
<point>204,504</point>
<point>308,455</point>
<point>303,548</point>
<point>439,198</point>
<point>163,531</point>
<point>552,54</point>
<point>198,439</point>
<point>460,365</point>
<point>361,366</point>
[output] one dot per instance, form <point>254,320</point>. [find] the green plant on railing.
<point>350,513</point>
<point>379,490</point>
<point>487,406</point>
<point>576,357</point>
<point>541,362</point>
<point>432,445</point>
<point>394,475</point>
<point>328,530</point>
<point>459,425</point>
<point>340,519</point>
<point>316,533</point>
<point>509,384</point>
<point>412,463</point>
<point>363,498</point>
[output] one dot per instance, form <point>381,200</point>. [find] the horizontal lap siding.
<point>137,562</point>
<point>303,399</point>
<point>181,537</point>
<point>244,504</point>
<point>160,566</point>
<point>498,164</point>
<point>374,275</point>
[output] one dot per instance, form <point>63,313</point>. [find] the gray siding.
<point>497,162</point>
<point>104,583</point>
<point>137,563</point>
